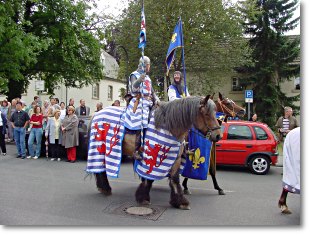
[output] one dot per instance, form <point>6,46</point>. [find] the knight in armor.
<point>176,89</point>
<point>143,98</point>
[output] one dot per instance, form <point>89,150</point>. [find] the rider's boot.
<point>138,148</point>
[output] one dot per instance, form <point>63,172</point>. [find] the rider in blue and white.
<point>176,89</point>
<point>144,97</point>
<point>136,117</point>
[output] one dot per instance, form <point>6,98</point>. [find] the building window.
<point>40,87</point>
<point>297,83</point>
<point>235,84</point>
<point>110,93</point>
<point>96,91</point>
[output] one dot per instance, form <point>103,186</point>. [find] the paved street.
<point>40,192</point>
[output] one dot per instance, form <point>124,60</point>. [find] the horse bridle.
<point>213,129</point>
<point>210,130</point>
<point>225,108</point>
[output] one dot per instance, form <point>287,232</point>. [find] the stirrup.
<point>137,155</point>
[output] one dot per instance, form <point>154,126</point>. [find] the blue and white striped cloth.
<point>158,141</point>
<point>139,119</point>
<point>103,155</point>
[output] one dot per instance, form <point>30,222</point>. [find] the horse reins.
<point>231,112</point>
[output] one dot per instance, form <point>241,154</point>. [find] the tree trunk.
<point>15,89</point>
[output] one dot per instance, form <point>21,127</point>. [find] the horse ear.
<point>204,101</point>
<point>212,96</point>
<point>220,96</point>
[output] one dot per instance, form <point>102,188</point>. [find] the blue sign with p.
<point>249,94</point>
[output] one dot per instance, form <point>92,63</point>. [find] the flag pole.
<point>183,59</point>
<point>142,48</point>
<point>143,66</point>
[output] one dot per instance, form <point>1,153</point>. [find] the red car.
<point>252,144</point>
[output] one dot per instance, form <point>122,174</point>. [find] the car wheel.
<point>259,165</point>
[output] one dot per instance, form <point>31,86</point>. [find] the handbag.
<point>198,158</point>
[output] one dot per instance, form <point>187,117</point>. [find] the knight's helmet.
<point>143,62</point>
<point>181,76</point>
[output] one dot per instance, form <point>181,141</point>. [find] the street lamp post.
<point>127,63</point>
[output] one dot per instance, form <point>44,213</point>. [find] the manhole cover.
<point>135,210</point>
<point>151,212</point>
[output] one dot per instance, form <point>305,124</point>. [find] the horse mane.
<point>177,116</point>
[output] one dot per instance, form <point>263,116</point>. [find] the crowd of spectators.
<point>47,128</point>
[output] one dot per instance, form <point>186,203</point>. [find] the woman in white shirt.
<point>53,133</point>
<point>63,110</point>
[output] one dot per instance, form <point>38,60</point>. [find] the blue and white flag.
<point>142,37</point>
<point>161,149</point>
<point>176,41</point>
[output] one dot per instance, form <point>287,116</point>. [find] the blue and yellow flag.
<point>197,162</point>
<point>176,41</point>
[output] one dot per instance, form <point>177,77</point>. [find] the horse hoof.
<point>105,192</point>
<point>185,207</point>
<point>221,192</point>
<point>187,192</point>
<point>145,203</point>
<point>285,210</point>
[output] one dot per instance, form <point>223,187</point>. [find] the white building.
<point>105,91</point>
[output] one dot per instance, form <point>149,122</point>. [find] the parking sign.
<point>248,96</point>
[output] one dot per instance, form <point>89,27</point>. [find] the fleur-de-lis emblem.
<point>196,158</point>
<point>174,36</point>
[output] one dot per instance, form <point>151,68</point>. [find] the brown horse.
<point>230,109</point>
<point>177,117</point>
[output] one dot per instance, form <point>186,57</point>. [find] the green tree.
<point>212,35</point>
<point>71,38</point>
<point>18,50</point>
<point>273,54</point>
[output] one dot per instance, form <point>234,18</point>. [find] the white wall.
<point>83,93</point>
<point>111,69</point>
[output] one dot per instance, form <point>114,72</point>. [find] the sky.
<point>114,7</point>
